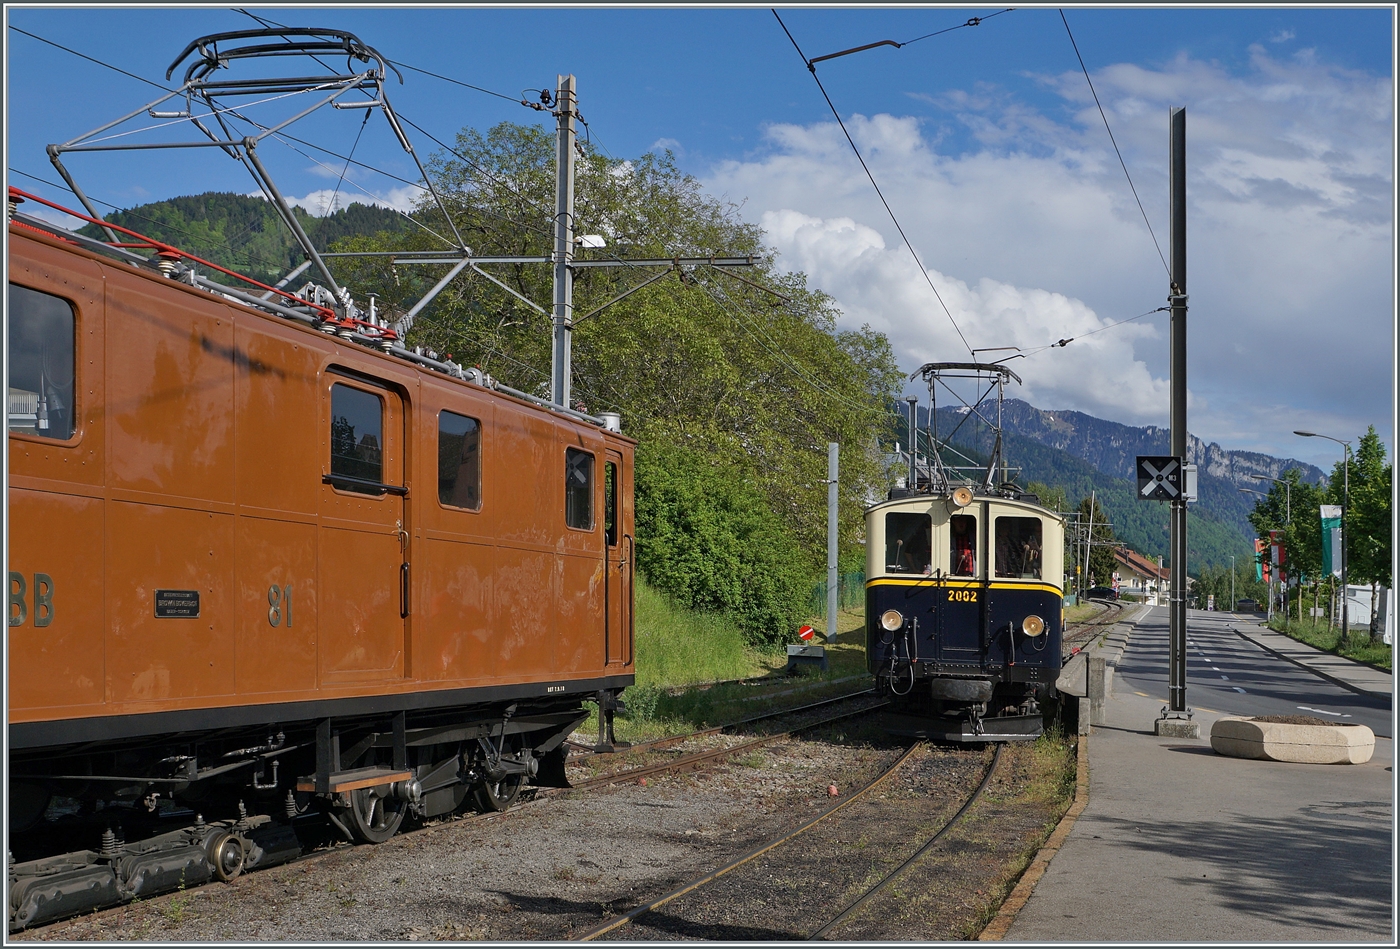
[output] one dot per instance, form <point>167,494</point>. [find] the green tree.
<point>1368,525</point>
<point>1292,510</point>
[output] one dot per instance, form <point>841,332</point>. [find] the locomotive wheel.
<point>374,814</point>
<point>499,795</point>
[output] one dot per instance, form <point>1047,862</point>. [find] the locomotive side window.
<point>357,437</point>
<point>578,489</point>
<point>459,461</point>
<point>908,543</point>
<point>1018,547</point>
<point>962,545</point>
<point>610,503</point>
<point>41,364</point>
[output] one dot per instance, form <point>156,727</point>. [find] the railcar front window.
<point>1019,547</point>
<point>908,543</point>
<point>41,364</point>
<point>357,437</point>
<point>962,545</point>
<point>578,489</point>
<point>459,461</point>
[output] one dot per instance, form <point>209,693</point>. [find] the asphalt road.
<point>1228,674</point>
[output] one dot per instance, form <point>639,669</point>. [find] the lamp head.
<point>1305,434</point>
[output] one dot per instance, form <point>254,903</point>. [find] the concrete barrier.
<point>1299,744</point>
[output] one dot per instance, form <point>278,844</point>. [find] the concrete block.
<point>1176,728</point>
<point>1300,744</point>
<point>1097,690</point>
<point>1072,680</point>
<point>1085,714</point>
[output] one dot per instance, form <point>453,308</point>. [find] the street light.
<point>1346,477</point>
<point>1287,495</point>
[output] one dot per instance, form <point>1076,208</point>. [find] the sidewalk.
<point>1178,844</point>
<point>1355,676</point>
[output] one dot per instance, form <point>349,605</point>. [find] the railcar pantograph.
<point>963,592</point>
<point>270,568</point>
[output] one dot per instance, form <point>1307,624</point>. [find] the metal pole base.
<point>1172,725</point>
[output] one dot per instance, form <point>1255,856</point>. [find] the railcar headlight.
<point>891,620</point>
<point>1032,625</point>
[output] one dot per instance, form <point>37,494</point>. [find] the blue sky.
<point>985,140</point>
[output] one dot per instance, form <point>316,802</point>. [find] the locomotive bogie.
<point>963,612</point>
<point>248,558</point>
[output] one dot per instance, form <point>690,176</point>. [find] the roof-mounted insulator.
<point>13,204</point>
<point>168,262</point>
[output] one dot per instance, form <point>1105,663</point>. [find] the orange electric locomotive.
<point>273,574</point>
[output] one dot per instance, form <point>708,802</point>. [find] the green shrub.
<point>708,539</point>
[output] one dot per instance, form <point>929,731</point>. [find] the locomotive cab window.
<point>41,364</point>
<point>962,545</point>
<point>357,439</point>
<point>459,461</point>
<point>578,489</point>
<point>1019,547</point>
<point>908,543</point>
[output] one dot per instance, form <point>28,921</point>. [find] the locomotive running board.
<point>355,780</point>
<point>960,730</point>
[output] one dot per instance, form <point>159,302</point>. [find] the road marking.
<point>1323,711</point>
<point>1215,668</point>
<point>1226,678</point>
<point>1143,694</point>
<point>1239,690</point>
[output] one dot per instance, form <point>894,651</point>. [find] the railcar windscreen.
<point>908,542</point>
<point>459,461</point>
<point>1018,547</point>
<point>578,489</point>
<point>962,545</point>
<point>357,436</point>
<point>41,363</point>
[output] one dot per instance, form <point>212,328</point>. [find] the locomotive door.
<point>363,539</point>
<point>964,595</point>
<point>617,562</point>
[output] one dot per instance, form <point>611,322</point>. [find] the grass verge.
<point>1357,645</point>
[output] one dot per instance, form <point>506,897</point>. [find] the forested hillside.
<point>245,233</point>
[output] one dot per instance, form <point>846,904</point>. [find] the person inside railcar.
<point>963,539</point>
<point>1018,547</point>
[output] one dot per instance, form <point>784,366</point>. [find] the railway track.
<point>1079,634</point>
<point>323,843</point>
<point>868,890</point>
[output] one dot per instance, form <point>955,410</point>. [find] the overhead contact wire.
<point>1121,162</point>
<point>923,270</point>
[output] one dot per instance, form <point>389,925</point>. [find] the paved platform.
<point>1178,844</point>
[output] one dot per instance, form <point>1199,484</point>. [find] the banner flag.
<point>1258,560</point>
<point>1331,539</point>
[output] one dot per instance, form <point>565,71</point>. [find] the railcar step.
<point>354,780</point>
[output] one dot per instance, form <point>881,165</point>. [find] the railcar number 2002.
<point>962,596</point>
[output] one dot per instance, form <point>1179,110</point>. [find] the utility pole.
<point>566,109</point>
<point>1089,543</point>
<point>1178,299</point>
<point>833,464</point>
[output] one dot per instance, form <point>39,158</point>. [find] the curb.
<point>1020,894</point>
<point>1317,672</point>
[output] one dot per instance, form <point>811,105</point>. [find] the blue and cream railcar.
<point>963,611</point>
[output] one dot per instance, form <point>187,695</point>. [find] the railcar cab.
<point>963,608</point>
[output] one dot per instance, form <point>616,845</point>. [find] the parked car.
<point>1102,593</point>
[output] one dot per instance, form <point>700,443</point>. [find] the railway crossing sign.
<point>1158,477</point>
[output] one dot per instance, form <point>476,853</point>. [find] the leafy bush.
<point>708,539</point>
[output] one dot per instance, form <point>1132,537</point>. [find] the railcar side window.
<point>357,436</point>
<point>459,461</point>
<point>610,502</point>
<point>1018,547</point>
<point>908,543</point>
<point>41,364</point>
<point>578,489</point>
<point>962,545</point>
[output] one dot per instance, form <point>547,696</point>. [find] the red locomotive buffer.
<point>264,576</point>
